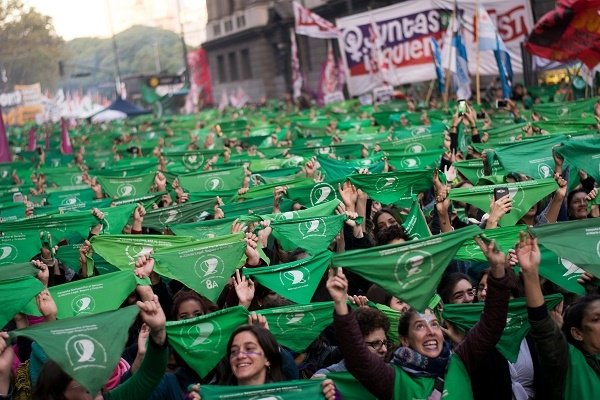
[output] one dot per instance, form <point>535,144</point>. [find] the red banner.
<point>570,32</point>
<point>201,89</point>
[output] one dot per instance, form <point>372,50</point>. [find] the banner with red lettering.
<point>405,30</point>
<point>310,24</point>
<point>569,32</point>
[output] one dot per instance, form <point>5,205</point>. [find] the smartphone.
<point>481,115</point>
<point>501,103</point>
<point>18,197</point>
<point>461,107</point>
<point>499,193</point>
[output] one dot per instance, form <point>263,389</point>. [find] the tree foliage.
<point>138,48</point>
<point>29,46</point>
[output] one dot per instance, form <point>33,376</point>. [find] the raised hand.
<point>528,253</point>
<point>495,257</point>
<point>144,266</point>
<point>244,288</point>
<point>152,314</point>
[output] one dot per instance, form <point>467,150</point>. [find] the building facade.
<point>248,42</point>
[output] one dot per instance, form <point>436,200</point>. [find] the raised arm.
<point>370,370</point>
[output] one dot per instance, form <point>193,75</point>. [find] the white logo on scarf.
<point>8,253</point>
<point>413,267</point>
<point>84,351</point>
<point>83,304</point>
<point>126,189</point>
<point>314,227</point>
<point>320,193</point>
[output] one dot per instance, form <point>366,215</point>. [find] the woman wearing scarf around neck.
<point>424,367</point>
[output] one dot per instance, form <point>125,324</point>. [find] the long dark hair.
<point>51,383</point>
<point>574,317</point>
<point>270,347</point>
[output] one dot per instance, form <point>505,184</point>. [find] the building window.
<point>246,67</point>
<point>217,29</point>
<point>241,21</point>
<point>233,67</point>
<point>221,69</point>
<point>228,25</point>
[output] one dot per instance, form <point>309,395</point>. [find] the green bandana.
<point>350,389</point>
<point>90,296</point>
<point>161,218</point>
<point>465,316</point>
<point>122,251</point>
<point>583,154</point>
<point>207,229</point>
<point>205,265</point>
<point>11,211</point>
<point>524,195</point>
<point>532,157</point>
<point>566,109</point>
<point>202,341</point>
<point>473,169</point>
<point>561,271</point>
<point>311,234</point>
<point>506,237</point>
<point>319,210</point>
<point>191,160</point>
<point>133,185</point>
<point>410,271</point>
<point>577,241</point>
<point>297,326</point>
<point>297,280</point>
<point>394,187</point>
<point>409,161</point>
<point>415,223</point>
<point>289,390</point>
<point>336,170</point>
<point>415,144</point>
<point>15,293</point>
<point>87,348</point>
<point>210,181</point>
<point>115,218</point>
<point>314,194</point>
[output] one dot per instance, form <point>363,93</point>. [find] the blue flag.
<point>437,60</point>
<point>490,40</point>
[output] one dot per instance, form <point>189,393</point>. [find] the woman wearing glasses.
<point>255,359</point>
<point>373,325</point>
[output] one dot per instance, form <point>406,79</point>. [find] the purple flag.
<point>4,150</point>
<point>32,141</point>
<point>65,141</point>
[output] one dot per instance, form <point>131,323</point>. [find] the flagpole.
<point>476,31</point>
<point>430,91</point>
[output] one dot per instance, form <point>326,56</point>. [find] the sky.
<point>90,18</point>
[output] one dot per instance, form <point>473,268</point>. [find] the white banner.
<point>405,29</point>
<point>310,24</point>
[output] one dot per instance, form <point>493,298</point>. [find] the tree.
<point>29,46</point>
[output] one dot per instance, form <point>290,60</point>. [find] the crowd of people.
<point>219,214</point>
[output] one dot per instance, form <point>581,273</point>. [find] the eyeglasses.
<point>481,288</point>
<point>464,293</point>
<point>235,353</point>
<point>378,344</point>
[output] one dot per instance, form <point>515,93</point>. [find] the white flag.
<point>310,24</point>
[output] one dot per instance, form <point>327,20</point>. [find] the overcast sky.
<point>85,18</point>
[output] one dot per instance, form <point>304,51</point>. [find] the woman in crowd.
<point>424,366</point>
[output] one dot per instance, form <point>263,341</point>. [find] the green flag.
<point>532,157</point>
<point>314,194</point>
<point>561,271</point>
<point>297,326</point>
<point>122,251</point>
<point>583,154</point>
<point>311,234</point>
<point>215,180</point>
<point>11,211</point>
<point>394,187</point>
<point>465,316</point>
<point>415,223</point>
<point>204,265</point>
<point>206,229</point>
<point>115,218</point>
<point>326,208</point>
<point>12,271</point>
<point>296,280</point>
<point>15,293</point>
<point>287,390</point>
<point>202,341</point>
<point>577,241</point>
<point>506,237</point>
<point>87,348</point>
<point>473,169</point>
<point>408,161</point>
<point>192,211</point>
<point>90,296</point>
<point>524,195</point>
<point>410,271</point>
<point>125,186</point>
<point>350,388</point>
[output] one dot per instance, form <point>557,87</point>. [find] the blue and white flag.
<point>461,78</point>
<point>437,60</point>
<point>490,40</point>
